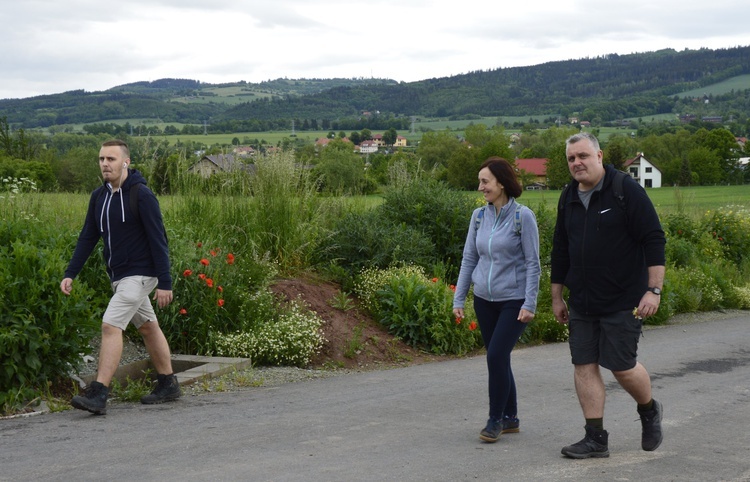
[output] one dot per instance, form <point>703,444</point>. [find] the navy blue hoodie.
<point>133,245</point>
<point>602,253</point>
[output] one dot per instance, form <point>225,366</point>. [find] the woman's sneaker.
<point>491,433</point>
<point>510,425</point>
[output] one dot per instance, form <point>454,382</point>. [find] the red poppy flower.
<point>200,245</point>
<point>230,258</point>
<point>472,326</point>
<point>202,276</point>
<point>434,280</point>
<point>209,282</point>
<point>220,302</point>
<point>453,288</point>
<point>221,290</point>
<point>183,311</point>
<point>204,262</point>
<point>213,253</point>
<point>458,320</point>
<point>187,273</point>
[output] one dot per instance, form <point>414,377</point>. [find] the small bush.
<point>210,290</point>
<point>367,240</point>
<point>42,332</point>
<point>731,227</point>
<point>442,214</point>
<point>418,310</point>
<point>292,337</point>
<point>693,290</point>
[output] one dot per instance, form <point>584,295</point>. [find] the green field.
<point>695,200</point>
<point>738,83</point>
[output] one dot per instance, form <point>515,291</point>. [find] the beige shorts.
<point>130,303</point>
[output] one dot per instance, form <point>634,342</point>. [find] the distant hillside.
<point>608,87</point>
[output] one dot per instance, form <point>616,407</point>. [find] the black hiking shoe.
<point>94,399</point>
<point>510,425</point>
<point>491,433</point>
<point>167,389</point>
<point>594,444</point>
<point>651,436</point>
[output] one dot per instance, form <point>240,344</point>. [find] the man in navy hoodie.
<point>608,249</point>
<point>137,259</point>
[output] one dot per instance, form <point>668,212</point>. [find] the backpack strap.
<point>478,220</point>
<point>617,189</point>
<point>517,218</point>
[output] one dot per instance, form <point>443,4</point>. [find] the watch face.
<point>655,291</point>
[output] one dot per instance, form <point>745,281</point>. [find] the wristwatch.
<point>656,291</point>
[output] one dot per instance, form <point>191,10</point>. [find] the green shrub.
<point>731,227</point>
<point>693,290</point>
<point>544,328</point>
<point>418,310</point>
<point>442,214</point>
<point>291,336</point>
<point>367,240</point>
<point>210,288</point>
<point>42,332</point>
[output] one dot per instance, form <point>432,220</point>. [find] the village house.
<point>643,171</point>
<point>243,151</point>
<point>368,147</point>
<point>538,168</point>
<point>210,165</point>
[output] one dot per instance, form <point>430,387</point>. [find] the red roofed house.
<point>536,166</point>
<point>640,169</point>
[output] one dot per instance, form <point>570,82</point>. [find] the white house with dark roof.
<point>643,171</point>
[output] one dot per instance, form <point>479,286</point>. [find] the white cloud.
<point>85,44</point>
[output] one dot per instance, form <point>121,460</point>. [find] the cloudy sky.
<point>52,46</point>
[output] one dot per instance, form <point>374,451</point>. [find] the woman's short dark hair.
<point>505,175</point>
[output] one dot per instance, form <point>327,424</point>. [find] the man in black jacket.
<point>609,252</point>
<point>137,258</point>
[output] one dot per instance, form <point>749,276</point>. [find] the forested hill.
<point>615,86</point>
<point>608,87</point>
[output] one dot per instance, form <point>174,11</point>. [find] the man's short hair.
<point>122,144</point>
<point>581,136</point>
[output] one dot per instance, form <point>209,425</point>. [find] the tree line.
<point>605,88</point>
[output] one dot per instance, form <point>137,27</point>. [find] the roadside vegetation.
<point>388,227</point>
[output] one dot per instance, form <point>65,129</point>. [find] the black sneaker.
<point>491,433</point>
<point>94,399</point>
<point>651,436</point>
<point>167,389</point>
<point>594,444</point>
<point>510,425</point>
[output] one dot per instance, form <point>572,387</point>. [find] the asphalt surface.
<point>419,423</point>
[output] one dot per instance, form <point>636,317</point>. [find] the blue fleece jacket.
<point>501,263</point>
<point>133,245</point>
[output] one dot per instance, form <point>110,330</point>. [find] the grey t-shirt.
<point>585,196</point>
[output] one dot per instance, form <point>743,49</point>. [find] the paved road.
<point>415,424</point>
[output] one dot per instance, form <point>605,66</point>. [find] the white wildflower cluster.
<point>371,280</point>
<point>743,295</point>
<point>14,185</point>
<point>292,339</point>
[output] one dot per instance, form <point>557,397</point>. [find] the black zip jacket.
<point>133,245</point>
<point>602,254</point>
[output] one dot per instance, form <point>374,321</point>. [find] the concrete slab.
<point>188,368</point>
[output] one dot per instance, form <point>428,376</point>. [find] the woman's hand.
<point>525,316</point>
